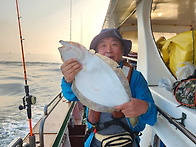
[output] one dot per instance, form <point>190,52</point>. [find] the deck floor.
<point>54,122</point>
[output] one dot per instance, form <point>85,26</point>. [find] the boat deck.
<point>55,121</point>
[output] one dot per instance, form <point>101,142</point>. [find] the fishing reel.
<point>30,100</point>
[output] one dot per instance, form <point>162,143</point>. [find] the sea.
<point>43,78</point>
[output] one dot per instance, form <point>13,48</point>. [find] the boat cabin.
<point>146,23</point>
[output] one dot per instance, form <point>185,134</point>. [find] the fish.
<point>100,84</point>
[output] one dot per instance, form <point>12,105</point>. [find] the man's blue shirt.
<point>139,89</point>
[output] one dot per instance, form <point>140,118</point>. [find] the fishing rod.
<point>27,99</point>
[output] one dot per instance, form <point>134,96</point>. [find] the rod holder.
<point>182,119</point>
<point>32,141</point>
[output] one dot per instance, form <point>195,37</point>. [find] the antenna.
<point>70,20</point>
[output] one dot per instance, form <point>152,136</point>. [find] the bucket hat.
<point>111,33</point>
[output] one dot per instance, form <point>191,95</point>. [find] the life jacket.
<point>127,69</point>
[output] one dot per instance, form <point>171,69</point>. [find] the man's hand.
<point>133,108</point>
<point>69,69</point>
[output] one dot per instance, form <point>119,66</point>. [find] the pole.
<point>70,20</point>
<point>28,98</point>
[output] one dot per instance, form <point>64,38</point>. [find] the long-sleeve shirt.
<point>139,89</point>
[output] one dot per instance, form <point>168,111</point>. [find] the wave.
<point>11,89</point>
<point>44,79</point>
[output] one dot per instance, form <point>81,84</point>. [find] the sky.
<point>45,22</point>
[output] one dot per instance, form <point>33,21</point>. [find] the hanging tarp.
<point>179,49</point>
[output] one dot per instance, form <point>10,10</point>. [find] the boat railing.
<point>16,142</point>
<point>131,59</point>
<point>47,111</point>
<point>178,125</point>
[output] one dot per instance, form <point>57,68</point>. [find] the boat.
<point>143,19</point>
<point>61,125</point>
<point>143,22</point>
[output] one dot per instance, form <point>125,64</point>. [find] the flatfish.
<point>101,84</point>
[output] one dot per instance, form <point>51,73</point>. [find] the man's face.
<point>110,47</point>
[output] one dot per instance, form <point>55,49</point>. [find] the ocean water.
<point>44,79</point>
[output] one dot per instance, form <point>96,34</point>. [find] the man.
<point>110,43</point>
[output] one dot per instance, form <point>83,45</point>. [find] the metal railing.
<point>54,102</point>
<point>178,125</point>
<point>16,142</point>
